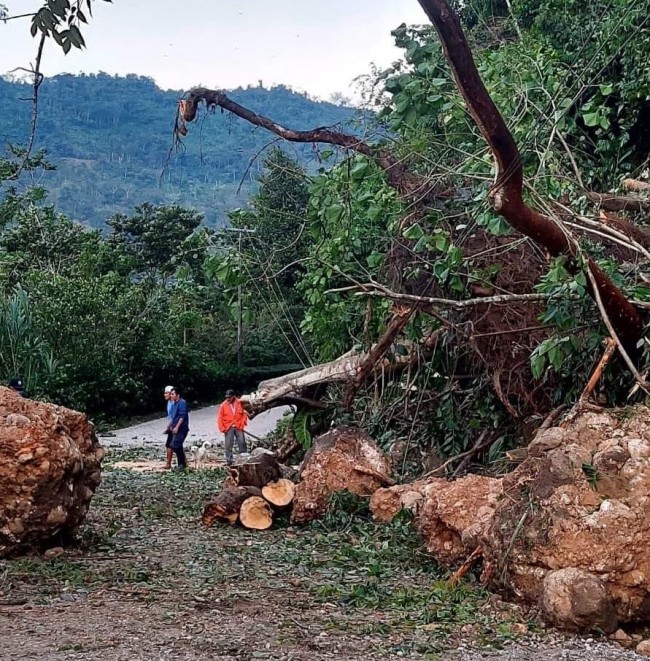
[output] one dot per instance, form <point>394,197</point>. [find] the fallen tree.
<point>566,530</point>
<point>549,232</point>
<point>50,466</point>
<point>351,368</point>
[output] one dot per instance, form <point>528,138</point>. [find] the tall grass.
<point>23,352</point>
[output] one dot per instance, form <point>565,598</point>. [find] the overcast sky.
<point>318,46</point>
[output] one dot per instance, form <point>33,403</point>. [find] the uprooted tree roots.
<point>566,530</point>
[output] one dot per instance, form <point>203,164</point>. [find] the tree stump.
<point>256,513</point>
<point>256,471</point>
<point>280,493</point>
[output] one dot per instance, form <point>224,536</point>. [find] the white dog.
<point>201,454</point>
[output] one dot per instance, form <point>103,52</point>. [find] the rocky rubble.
<point>49,469</point>
<point>568,529</point>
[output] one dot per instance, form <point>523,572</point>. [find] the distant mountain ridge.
<point>110,137</point>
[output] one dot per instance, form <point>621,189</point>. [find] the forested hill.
<point>109,138</point>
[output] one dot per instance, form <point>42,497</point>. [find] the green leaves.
<point>60,20</point>
<point>413,232</point>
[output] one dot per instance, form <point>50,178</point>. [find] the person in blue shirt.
<point>169,453</point>
<point>180,427</point>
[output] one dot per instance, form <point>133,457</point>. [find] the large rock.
<point>580,500</point>
<point>49,469</point>
<point>568,529</point>
<point>387,502</point>
<point>343,459</point>
<point>576,600</point>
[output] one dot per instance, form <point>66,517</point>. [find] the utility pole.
<point>240,309</point>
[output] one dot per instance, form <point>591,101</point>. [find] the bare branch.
<point>643,384</point>
<point>38,79</point>
<point>610,202</point>
<point>397,323</point>
<point>380,291</point>
<point>405,182</point>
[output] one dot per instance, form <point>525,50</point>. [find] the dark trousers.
<point>177,447</point>
<point>231,435</point>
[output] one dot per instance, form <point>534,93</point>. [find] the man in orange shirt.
<point>231,421</point>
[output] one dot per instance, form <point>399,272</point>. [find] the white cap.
<point>169,388</point>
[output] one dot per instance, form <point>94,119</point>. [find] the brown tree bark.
<point>405,182</point>
<point>257,471</point>
<point>225,506</point>
<point>506,194</point>
<point>610,202</point>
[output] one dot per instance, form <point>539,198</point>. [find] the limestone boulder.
<point>50,466</point>
<point>456,514</point>
<point>577,600</point>
<point>387,502</point>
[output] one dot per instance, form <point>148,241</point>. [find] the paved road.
<point>203,427</point>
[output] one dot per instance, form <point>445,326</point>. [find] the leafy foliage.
<point>101,321</point>
<point>61,19</point>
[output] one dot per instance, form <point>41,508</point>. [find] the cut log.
<point>279,493</point>
<point>50,466</point>
<point>332,465</point>
<point>225,507</point>
<point>256,471</point>
<point>256,513</point>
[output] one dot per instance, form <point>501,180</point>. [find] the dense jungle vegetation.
<point>98,319</point>
<point>110,139</point>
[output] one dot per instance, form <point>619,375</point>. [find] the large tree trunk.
<point>506,196</point>
<point>226,505</point>
<point>280,493</point>
<point>348,368</point>
<point>256,513</point>
<point>50,466</point>
<point>256,471</point>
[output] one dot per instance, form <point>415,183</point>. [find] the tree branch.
<point>506,194</point>
<point>397,323</point>
<point>380,291</point>
<point>610,202</point>
<point>403,181</point>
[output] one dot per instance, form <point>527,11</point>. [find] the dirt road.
<point>148,582</point>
